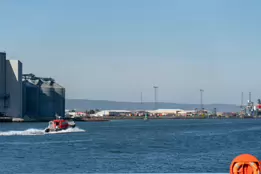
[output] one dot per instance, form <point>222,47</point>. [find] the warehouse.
<point>112,113</point>
<point>166,111</point>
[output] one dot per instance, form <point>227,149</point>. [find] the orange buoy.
<point>245,164</point>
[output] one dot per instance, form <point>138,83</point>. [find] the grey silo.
<point>24,97</point>
<point>59,99</point>
<point>46,100</point>
<point>2,80</point>
<point>30,98</point>
<point>47,95</point>
<point>52,99</point>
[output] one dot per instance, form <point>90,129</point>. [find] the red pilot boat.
<point>59,124</point>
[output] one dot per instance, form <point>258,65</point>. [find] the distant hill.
<point>82,105</point>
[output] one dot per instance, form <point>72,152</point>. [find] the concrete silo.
<point>52,99</point>
<point>44,99</point>
<point>59,99</point>
<point>30,99</point>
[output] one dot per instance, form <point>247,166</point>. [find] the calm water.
<point>174,146</point>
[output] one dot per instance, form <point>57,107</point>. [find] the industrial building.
<point>10,87</point>
<point>26,95</point>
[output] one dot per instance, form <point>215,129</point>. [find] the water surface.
<point>173,146</point>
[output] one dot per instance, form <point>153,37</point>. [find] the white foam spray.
<point>69,130</point>
<point>33,131</point>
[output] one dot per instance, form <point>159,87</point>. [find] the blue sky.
<point>114,49</point>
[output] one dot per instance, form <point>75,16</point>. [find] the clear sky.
<point>114,49</point>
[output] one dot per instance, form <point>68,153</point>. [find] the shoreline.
<point>109,118</point>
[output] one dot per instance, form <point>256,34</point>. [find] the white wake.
<point>33,131</point>
<point>76,129</point>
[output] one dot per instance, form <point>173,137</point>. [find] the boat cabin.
<point>60,124</point>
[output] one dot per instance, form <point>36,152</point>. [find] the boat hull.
<point>47,130</point>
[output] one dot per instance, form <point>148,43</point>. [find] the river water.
<point>129,146</point>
